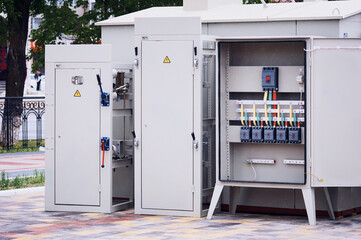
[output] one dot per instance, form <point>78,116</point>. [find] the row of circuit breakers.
<point>272,133</point>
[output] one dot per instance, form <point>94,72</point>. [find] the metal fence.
<point>21,122</point>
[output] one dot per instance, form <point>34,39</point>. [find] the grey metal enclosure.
<point>276,105</point>
<point>174,117</point>
<point>89,146</point>
<point>255,104</point>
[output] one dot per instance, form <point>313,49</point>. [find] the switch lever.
<point>105,99</point>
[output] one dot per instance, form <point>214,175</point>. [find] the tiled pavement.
<point>23,217</point>
<point>22,163</point>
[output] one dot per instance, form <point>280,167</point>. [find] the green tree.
<point>63,23</point>
<point>267,1</point>
<point>14,19</point>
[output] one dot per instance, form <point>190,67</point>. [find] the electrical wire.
<point>265,114</point>
<point>291,111</point>
<point>242,110</point>
<point>246,117</point>
<point>282,119</point>
<point>278,115</point>
<point>254,114</point>
<point>318,179</point>
<point>274,99</point>
<point>254,171</point>
<point>270,107</point>
<point>265,107</point>
<point>257,118</point>
<point>295,119</point>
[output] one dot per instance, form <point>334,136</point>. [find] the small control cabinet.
<point>176,149</point>
<point>80,171</point>
<point>267,84</point>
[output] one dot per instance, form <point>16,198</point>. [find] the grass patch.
<point>32,145</point>
<point>38,179</point>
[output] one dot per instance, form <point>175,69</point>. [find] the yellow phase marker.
<point>166,60</point>
<point>77,94</point>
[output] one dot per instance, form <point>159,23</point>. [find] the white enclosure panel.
<point>335,113</point>
<point>77,138</point>
<point>167,123</point>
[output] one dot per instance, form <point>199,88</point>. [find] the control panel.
<point>262,106</point>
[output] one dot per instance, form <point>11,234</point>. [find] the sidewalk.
<point>22,163</point>
<point>23,217</point>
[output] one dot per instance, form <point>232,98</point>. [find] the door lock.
<point>136,140</point>
<point>195,142</point>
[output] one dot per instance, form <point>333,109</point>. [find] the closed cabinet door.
<point>77,133</point>
<point>167,124</point>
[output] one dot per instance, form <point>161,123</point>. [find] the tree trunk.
<point>18,33</point>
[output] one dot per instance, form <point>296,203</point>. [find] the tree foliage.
<point>268,1</point>
<point>62,23</point>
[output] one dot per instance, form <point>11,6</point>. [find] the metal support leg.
<point>233,199</point>
<point>329,203</point>
<point>215,197</point>
<point>309,198</point>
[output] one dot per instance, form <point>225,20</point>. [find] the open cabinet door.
<point>336,112</point>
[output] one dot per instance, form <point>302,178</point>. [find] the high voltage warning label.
<point>166,60</point>
<point>77,94</point>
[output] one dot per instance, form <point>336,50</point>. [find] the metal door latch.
<point>195,142</point>
<point>136,140</point>
<point>136,62</point>
<point>196,63</point>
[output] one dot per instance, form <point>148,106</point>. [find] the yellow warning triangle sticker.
<point>166,60</point>
<point>77,94</point>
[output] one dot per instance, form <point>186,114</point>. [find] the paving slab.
<point>22,216</point>
<point>15,164</point>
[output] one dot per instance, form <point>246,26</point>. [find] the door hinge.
<point>192,188</point>
<point>100,188</point>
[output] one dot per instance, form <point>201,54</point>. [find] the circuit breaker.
<point>270,78</point>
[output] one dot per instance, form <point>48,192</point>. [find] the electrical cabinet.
<point>174,117</point>
<point>84,156</point>
<point>69,134</point>
<point>275,112</point>
<point>262,110</point>
<point>277,101</point>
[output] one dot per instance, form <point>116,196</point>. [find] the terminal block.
<point>269,135</point>
<point>294,135</point>
<point>270,79</point>
<point>257,134</point>
<point>281,135</point>
<point>246,134</point>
